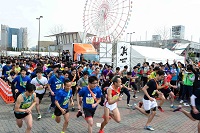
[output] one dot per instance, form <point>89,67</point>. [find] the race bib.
<point>7,72</point>
<point>66,102</point>
<point>89,100</point>
<point>73,83</point>
<point>39,88</point>
<point>23,83</point>
<point>115,97</point>
<point>58,86</point>
<point>26,105</point>
<point>133,80</point>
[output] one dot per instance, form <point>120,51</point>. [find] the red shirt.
<point>167,80</point>
<point>114,92</point>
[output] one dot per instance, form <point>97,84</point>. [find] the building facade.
<point>6,37</point>
<point>178,32</point>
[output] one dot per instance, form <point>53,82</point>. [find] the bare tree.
<point>56,29</point>
<point>164,33</point>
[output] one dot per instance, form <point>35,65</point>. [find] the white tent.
<point>140,54</point>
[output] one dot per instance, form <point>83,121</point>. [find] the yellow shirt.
<point>17,69</point>
<point>152,75</point>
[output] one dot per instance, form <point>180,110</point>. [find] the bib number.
<point>115,97</point>
<point>58,86</point>
<point>7,72</point>
<point>26,105</point>
<point>66,102</point>
<point>23,83</point>
<point>89,100</point>
<point>39,88</point>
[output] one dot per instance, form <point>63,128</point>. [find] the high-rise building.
<point>6,37</point>
<point>178,32</point>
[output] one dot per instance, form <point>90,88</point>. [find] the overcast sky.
<point>148,16</point>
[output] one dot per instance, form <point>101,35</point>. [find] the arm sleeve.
<point>50,81</point>
<point>45,81</point>
<point>29,80</point>
<point>57,97</point>
<point>3,70</point>
<point>99,94</point>
<point>149,83</point>
<point>192,99</point>
<point>81,92</point>
<point>79,82</point>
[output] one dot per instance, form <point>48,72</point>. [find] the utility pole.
<point>39,36</point>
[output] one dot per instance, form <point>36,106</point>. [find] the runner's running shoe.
<point>149,128</point>
<point>140,104</point>
<point>79,113</point>
<point>129,105</point>
<point>101,131</point>
<point>133,107</point>
<point>160,108</point>
<point>135,97</point>
<point>39,116</point>
<point>178,109</point>
<point>73,109</point>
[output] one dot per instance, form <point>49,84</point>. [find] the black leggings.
<point>126,91</point>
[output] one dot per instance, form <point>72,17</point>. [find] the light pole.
<point>39,36</point>
<point>130,35</point>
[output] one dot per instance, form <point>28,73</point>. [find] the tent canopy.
<point>139,54</point>
<point>180,47</point>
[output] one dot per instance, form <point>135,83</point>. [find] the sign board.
<point>123,55</point>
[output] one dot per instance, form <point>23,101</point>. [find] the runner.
<point>23,107</point>
<point>91,98</point>
<point>195,108</point>
<point>40,83</point>
<point>166,90</point>
<point>145,70</point>
<point>153,74</point>
<point>5,70</point>
<point>188,82</point>
<point>133,81</point>
<point>54,84</point>
<point>82,82</point>
<point>117,72</point>
<point>113,96</point>
<point>149,101</point>
<point>62,98</point>
<point>126,82</point>
<point>21,81</point>
<point>124,71</point>
<point>106,72</point>
<point>73,78</point>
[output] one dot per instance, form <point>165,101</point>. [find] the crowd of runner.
<point>93,84</point>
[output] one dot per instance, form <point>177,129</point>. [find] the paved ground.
<point>132,121</point>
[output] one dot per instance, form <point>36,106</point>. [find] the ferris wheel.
<point>106,18</point>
